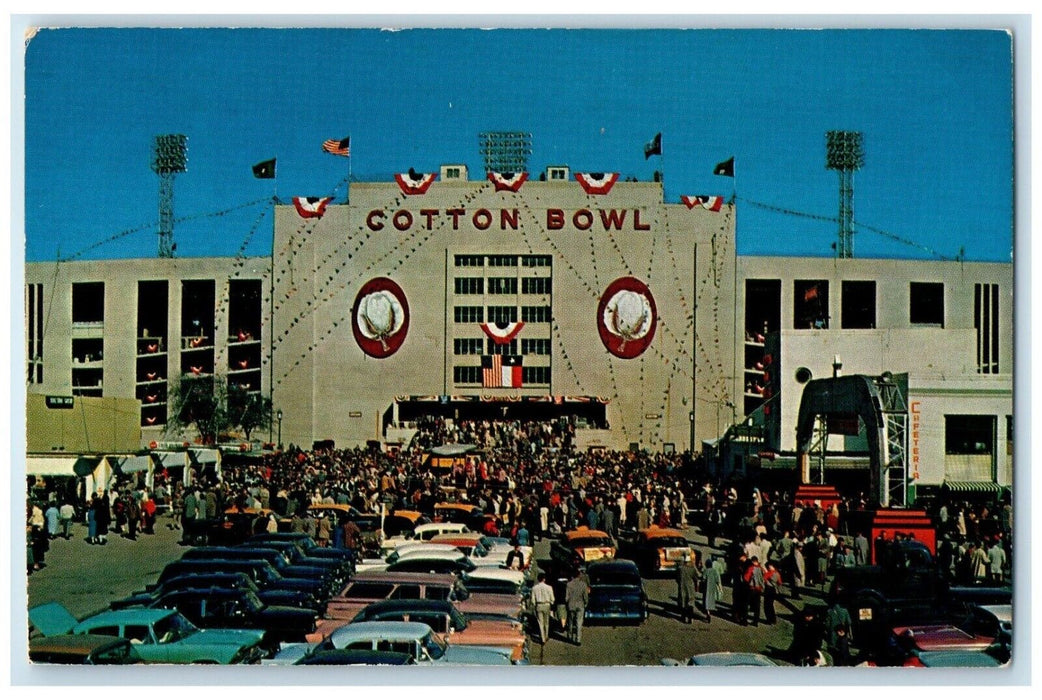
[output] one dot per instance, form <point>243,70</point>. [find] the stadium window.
<point>470,260</point>
<point>535,285</point>
<point>509,348</point>
<point>502,285</point>
<point>88,302</point>
<point>502,261</point>
<point>858,304</point>
<point>466,375</point>
<point>466,346</point>
<point>535,261</point>
<point>535,375</point>
<point>502,314</point>
<point>536,314</point>
<point>926,303</point>
<point>969,435</point>
<point>468,314</point>
<point>986,321</point>
<point>810,304</point>
<point>535,346</point>
<point>469,285</point>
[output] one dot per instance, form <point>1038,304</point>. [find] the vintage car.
<point>356,657</point>
<point>954,659</point>
<point>262,573</point>
<point>500,547</point>
<point>985,628</point>
<point>340,564</point>
<point>145,598</point>
<point>490,579</point>
<point>405,551</point>
<point>305,543</point>
<point>725,658</point>
<point>158,636</point>
<point>236,608</point>
<point>421,533</point>
<point>417,639</point>
<point>616,592</point>
<point>374,586</point>
<point>83,649</point>
<point>435,562</point>
<point>455,512</point>
<point>329,573</point>
<point>339,513</point>
<point>402,523</point>
<point>579,547</point>
<point>660,549</point>
<point>233,526</point>
<point>456,627</point>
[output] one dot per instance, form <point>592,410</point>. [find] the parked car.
<point>407,550</point>
<point>306,544</point>
<point>581,546</point>
<point>413,638</point>
<point>262,573</point>
<point>422,533</point>
<point>368,523</point>
<point>659,549</point>
<point>489,579</point>
<point>356,657</point>
<point>456,627</point>
<point>454,512</point>
<point>338,570</point>
<point>985,628</point>
<point>725,658</point>
<point>297,599</point>
<point>82,649</point>
<point>402,523</point>
<point>236,608</point>
<point>450,562</point>
<point>158,636</point>
<point>232,526</point>
<point>616,592</point>
<point>329,576</point>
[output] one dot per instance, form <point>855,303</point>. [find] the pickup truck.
<point>906,587</point>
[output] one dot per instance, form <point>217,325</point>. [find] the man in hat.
<point>799,569</point>
<point>576,597</point>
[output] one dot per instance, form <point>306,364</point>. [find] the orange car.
<point>581,546</point>
<point>661,549</point>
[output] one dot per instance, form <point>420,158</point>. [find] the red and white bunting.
<point>710,202</point>
<point>507,182</point>
<point>415,183</point>
<point>597,183</point>
<point>501,334</point>
<point>311,207</point>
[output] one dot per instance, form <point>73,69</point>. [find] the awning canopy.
<point>170,459</point>
<point>60,465</point>
<point>203,456</point>
<point>130,464</point>
<point>971,486</point>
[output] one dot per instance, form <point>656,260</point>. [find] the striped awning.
<point>130,464</point>
<point>971,486</point>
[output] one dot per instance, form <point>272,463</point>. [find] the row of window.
<point>473,375</point>
<point>501,285</point>
<point>501,314</point>
<point>502,260</point>
<point>487,346</point>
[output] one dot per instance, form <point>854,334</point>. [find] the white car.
<point>422,533</point>
<point>410,549</point>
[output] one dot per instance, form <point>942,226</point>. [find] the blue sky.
<point>935,108</point>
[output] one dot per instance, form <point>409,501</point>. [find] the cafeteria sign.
<point>59,402</point>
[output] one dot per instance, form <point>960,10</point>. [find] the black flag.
<point>726,168</point>
<point>265,170</point>
<point>653,147</point>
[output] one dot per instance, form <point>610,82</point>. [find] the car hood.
<point>939,637</point>
<point>475,656</point>
<point>225,637</point>
<point>52,619</point>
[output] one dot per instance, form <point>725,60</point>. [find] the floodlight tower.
<point>845,154</point>
<point>505,151</point>
<point>169,158</point>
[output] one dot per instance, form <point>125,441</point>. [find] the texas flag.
<point>501,371</point>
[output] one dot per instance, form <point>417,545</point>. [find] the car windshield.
<point>614,577</point>
<point>174,627</point>
<point>434,646</point>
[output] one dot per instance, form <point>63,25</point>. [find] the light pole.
<point>278,415</point>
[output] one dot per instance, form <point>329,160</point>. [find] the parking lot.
<point>85,578</point>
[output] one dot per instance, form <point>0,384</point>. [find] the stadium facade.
<point>566,294</point>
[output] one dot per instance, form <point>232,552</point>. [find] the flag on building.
<point>501,371</point>
<point>502,333</point>
<point>709,202</point>
<point>726,168</point>
<point>341,147</point>
<point>597,183</point>
<point>653,147</point>
<point>265,170</point>
<point>311,207</point>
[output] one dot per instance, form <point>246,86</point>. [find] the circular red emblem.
<point>626,317</point>
<point>380,317</point>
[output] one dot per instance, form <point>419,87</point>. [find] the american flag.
<point>501,371</point>
<point>338,147</point>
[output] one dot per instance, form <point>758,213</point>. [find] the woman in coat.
<point>102,517</point>
<point>714,588</point>
<point>686,588</point>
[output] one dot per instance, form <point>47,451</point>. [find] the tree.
<point>202,402</point>
<point>248,410</point>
